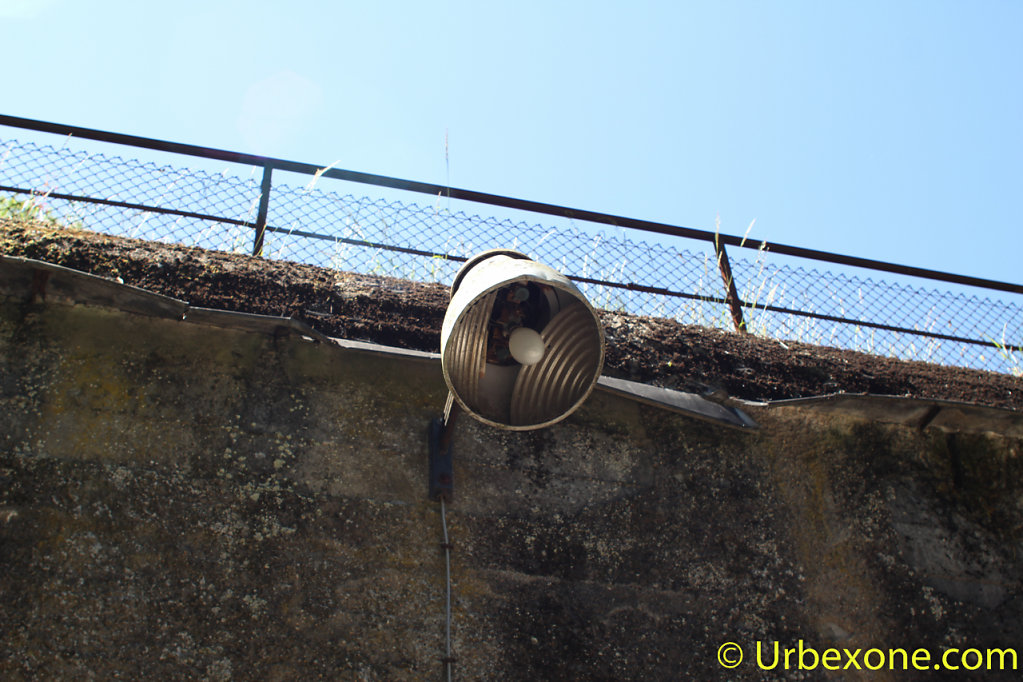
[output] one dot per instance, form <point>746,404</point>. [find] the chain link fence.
<point>427,241</point>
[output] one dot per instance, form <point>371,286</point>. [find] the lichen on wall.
<point>182,501</point>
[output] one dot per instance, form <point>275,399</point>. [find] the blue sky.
<point>888,130</point>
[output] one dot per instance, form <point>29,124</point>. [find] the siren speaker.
<point>521,347</point>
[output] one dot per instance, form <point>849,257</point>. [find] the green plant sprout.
<point>33,209</point>
<point>1013,358</point>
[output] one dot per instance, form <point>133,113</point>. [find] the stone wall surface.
<point>183,501</point>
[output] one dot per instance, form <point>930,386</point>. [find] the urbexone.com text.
<point>802,657</point>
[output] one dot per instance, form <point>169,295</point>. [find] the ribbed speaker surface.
<point>465,355</point>
<point>564,376</point>
<point>494,294</point>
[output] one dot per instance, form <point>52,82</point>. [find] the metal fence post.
<point>264,208</point>
<point>731,295</point>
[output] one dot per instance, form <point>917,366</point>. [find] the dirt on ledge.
<point>408,314</point>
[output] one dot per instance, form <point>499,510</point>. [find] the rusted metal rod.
<point>264,209</point>
<point>731,295</point>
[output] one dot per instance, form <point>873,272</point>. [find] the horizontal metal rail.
<point>367,244</point>
<point>719,241</point>
<point>628,286</point>
<point>126,204</point>
<point>504,202</point>
<point>877,325</point>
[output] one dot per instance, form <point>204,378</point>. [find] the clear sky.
<point>885,129</point>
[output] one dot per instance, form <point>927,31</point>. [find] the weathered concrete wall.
<point>182,501</point>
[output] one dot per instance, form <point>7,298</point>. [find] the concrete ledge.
<point>38,281</point>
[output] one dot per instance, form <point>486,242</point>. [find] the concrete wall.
<point>187,501</point>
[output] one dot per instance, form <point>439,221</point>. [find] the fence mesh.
<point>425,240</point>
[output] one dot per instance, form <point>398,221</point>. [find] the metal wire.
<point>448,660</point>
